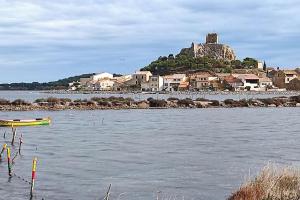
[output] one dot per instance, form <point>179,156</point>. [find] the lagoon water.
<point>33,95</point>
<point>179,153</point>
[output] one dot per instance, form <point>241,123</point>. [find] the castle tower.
<point>212,38</point>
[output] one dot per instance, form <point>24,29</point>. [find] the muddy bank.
<point>128,103</point>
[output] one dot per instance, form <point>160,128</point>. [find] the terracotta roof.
<point>246,76</point>
<point>232,79</point>
<point>183,84</point>
<point>201,74</point>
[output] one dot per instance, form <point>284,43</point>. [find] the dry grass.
<point>273,183</point>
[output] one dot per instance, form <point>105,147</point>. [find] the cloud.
<point>62,38</point>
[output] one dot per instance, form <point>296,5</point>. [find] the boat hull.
<point>33,122</point>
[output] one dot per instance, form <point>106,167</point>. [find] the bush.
<point>172,99</point>
<point>157,103</point>
<point>229,101</point>
<point>201,99</point>
<point>41,100</point>
<point>53,100</point>
<point>65,100</point>
<point>214,103</point>
<point>20,102</point>
<point>185,102</point>
<point>295,98</point>
<point>4,102</point>
<point>243,103</point>
<point>267,101</point>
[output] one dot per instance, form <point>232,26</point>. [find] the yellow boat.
<point>25,122</point>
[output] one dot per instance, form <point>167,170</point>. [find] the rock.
<point>272,105</point>
<point>143,105</point>
<point>297,104</point>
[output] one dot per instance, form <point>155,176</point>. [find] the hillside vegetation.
<point>184,63</point>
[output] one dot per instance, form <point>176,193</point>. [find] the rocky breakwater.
<point>128,103</point>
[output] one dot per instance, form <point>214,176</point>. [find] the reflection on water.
<point>197,153</point>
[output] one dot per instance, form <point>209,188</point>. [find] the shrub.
<point>65,100</point>
<point>229,101</point>
<point>20,102</point>
<point>243,103</point>
<point>214,103</point>
<point>40,100</point>
<point>172,99</point>
<point>185,102</point>
<point>157,103</point>
<point>267,101</point>
<point>295,98</point>
<point>201,99</point>
<point>53,100</point>
<point>4,102</point>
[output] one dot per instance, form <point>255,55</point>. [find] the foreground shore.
<point>272,183</point>
<point>95,103</point>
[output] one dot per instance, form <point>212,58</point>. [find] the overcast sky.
<point>47,40</point>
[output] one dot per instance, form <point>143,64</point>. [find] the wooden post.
<point>33,176</point>
<point>3,149</point>
<point>20,144</point>
<point>107,193</point>
<point>8,161</point>
<point>14,131</point>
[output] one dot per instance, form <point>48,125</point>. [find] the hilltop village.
<point>249,75</point>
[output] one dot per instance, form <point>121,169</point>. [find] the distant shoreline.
<point>178,92</point>
<point>120,103</point>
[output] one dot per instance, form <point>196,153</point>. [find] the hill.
<point>54,85</point>
<point>204,56</point>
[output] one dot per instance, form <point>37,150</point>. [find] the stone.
<point>211,49</point>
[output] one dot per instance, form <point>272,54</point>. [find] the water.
<point>33,95</point>
<point>190,153</point>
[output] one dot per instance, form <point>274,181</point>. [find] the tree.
<point>265,66</point>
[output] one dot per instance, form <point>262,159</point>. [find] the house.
<point>232,83</point>
<point>140,77</point>
<point>122,83</point>
<point>94,78</point>
<point>104,84</point>
<point>265,83</point>
<point>202,80</point>
<point>172,82</point>
<point>283,77</point>
<point>250,81</point>
<point>101,76</point>
<point>75,85</point>
<point>156,83</point>
<point>183,86</point>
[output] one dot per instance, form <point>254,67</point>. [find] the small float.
<point>25,122</point>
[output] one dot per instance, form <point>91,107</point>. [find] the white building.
<point>101,76</point>
<point>265,82</point>
<point>250,81</point>
<point>172,82</point>
<point>94,78</point>
<point>104,84</point>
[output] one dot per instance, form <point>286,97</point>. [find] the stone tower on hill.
<point>211,48</point>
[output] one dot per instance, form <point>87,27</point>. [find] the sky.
<point>49,40</point>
